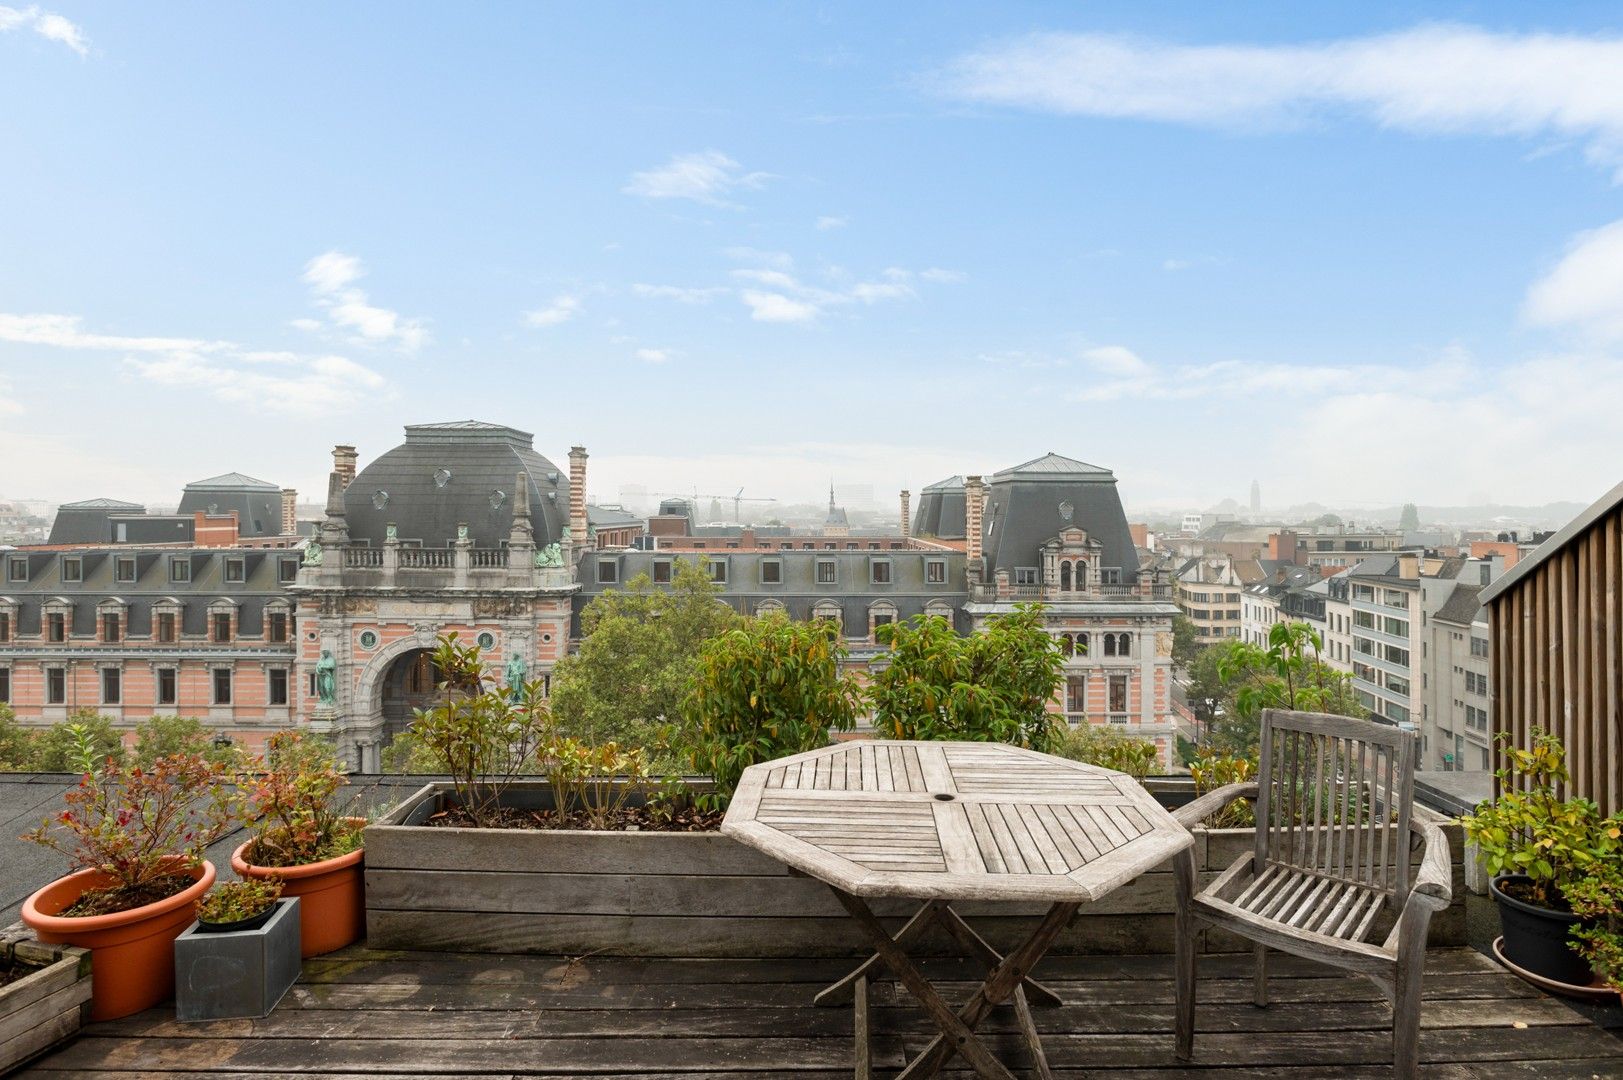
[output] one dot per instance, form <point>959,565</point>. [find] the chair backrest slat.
<point>1334,798</point>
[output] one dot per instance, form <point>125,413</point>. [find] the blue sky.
<point>1364,254</point>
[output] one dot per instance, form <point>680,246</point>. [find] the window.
<point>56,686</point>
<point>166,626</point>
<point>827,573</point>
<point>1479,646</point>
<point>276,690</point>
<point>935,571</point>
<point>1397,684</point>
<point>771,572</point>
<point>5,626</point>
<point>879,572</point>
<point>166,686</point>
<point>276,626</point>
<point>222,686</point>
<point>883,618</point>
<point>180,569</point>
<point>234,571</point>
<point>17,569</point>
<point>1025,575</point>
<point>110,626</point>
<point>5,684</point>
<point>1076,695</point>
<point>73,569</point>
<point>124,569</point>
<point>1395,627</point>
<point>56,626</point>
<point>718,571</point>
<point>1118,699</point>
<point>1364,620</point>
<point>1395,655</point>
<point>110,686</point>
<point>287,571</point>
<point>1363,592</point>
<point>662,572</point>
<point>220,627</point>
<point>608,571</point>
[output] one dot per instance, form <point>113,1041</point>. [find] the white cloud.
<point>562,308</point>
<point>309,326</point>
<point>1430,79</point>
<point>65,332</point>
<point>773,307</point>
<point>1115,360</point>
<point>936,275</point>
<point>331,277</point>
<point>1584,291</point>
<point>779,260</point>
<point>655,356</point>
<point>707,177</point>
<point>47,25</point>
<point>681,294</point>
<point>826,223</point>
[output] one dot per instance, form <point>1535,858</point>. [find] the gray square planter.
<point>237,975</point>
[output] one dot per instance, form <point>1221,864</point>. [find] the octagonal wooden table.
<point>947,821</point>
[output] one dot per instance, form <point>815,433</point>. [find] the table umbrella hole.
<point>944,797</point>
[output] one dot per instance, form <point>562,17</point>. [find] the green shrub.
<point>765,690</point>
<point>1109,748</point>
<point>165,736</point>
<point>79,743</point>
<point>991,686</point>
<point>19,746</point>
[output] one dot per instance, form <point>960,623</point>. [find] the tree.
<point>638,651</point>
<point>1409,519</point>
<point>1185,640</point>
<point>1207,697</point>
<point>84,737</point>
<point>18,745</point>
<point>765,689</point>
<point>165,736</point>
<point>1288,674</point>
<point>991,686</point>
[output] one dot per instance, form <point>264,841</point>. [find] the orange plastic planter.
<point>332,898</point>
<point>132,953</point>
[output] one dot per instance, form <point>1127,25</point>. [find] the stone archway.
<point>407,685</point>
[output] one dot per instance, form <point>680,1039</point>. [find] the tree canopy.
<point>638,651</point>
<point>1289,674</point>
<point>992,686</point>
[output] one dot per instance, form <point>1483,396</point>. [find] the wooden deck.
<point>376,1014</point>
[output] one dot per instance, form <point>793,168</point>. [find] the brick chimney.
<point>907,516</point>
<point>343,463</point>
<point>974,507</point>
<point>577,495</point>
<point>290,513</point>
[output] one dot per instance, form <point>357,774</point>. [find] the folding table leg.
<point>961,1035</point>
<point>864,1049</point>
<point>998,987</point>
<point>840,993</point>
<point>976,946</point>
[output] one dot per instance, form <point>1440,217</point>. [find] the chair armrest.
<point>1435,878</point>
<point>1191,814</point>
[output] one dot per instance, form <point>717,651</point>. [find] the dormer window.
<point>17,568</point>
<point>235,571</point>
<point>124,569</point>
<point>73,569</point>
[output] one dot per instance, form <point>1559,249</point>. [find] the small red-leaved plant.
<point>291,802</point>
<point>143,826</point>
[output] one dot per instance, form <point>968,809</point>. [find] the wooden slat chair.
<point>1334,800</point>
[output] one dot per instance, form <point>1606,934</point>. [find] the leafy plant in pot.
<point>1538,848</point>
<point>136,837</point>
<point>238,905</point>
<point>301,838</point>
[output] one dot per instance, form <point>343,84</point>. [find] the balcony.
<point>1145,591</point>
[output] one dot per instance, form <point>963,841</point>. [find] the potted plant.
<point>1538,849</point>
<point>136,837</point>
<point>302,839</point>
<point>232,906</point>
<point>1597,898</point>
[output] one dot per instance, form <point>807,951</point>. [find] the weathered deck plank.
<point>390,1016</point>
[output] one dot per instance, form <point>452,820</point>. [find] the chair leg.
<point>1260,990</point>
<point>1185,933</point>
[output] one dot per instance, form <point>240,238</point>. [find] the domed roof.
<point>463,472</point>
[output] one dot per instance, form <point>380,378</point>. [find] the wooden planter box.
<point>47,1007</point>
<point>699,894</point>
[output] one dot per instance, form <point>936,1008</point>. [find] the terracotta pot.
<point>332,898</point>
<point>132,953</point>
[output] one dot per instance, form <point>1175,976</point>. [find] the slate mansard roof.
<point>257,503</point>
<point>262,585</point>
<point>1030,504</point>
<point>465,471</point>
<point>89,521</point>
<point>940,515</point>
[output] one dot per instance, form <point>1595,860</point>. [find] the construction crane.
<point>737,499</point>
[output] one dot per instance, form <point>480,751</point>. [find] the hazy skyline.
<point>1364,255</point>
